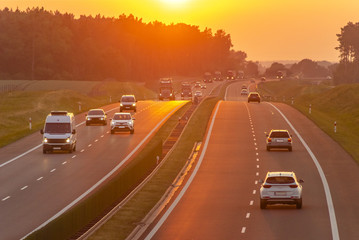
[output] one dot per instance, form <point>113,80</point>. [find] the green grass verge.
<point>36,102</point>
<point>126,219</point>
<point>328,104</point>
<point>112,192</point>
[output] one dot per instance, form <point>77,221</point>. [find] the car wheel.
<point>74,148</point>
<point>71,149</point>
<point>135,110</point>
<point>44,151</point>
<point>299,204</point>
<point>259,101</point>
<point>290,149</point>
<point>120,109</point>
<point>87,124</point>
<point>263,204</point>
<point>268,148</point>
<point>112,131</point>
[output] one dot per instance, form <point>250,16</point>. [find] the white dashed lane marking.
<point>254,191</point>
<point>39,179</point>
<point>6,198</point>
<point>251,202</point>
<point>73,156</point>
<point>243,230</point>
<point>24,187</point>
<point>89,145</point>
<point>248,215</point>
<point>64,163</point>
<point>53,170</point>
<point>82,150</point>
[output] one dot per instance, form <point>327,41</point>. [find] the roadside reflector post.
<point>110,99</point>
<point>30,123</point>
<point>335,126</point>
<point>283,98</point>
<point>310,108</point>
<point>158,159</point>
<point>292,100</point>
<point>79,106</point>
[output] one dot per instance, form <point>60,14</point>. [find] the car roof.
<point>254,93</point>
<point>279,130</point>
<point>96,109</point>
<point>123,113</point>
<point>280,174</point>
<point>128,95</point>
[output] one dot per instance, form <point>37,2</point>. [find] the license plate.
<point>56,148</point>
<point>121,127</point>
<point>280,193</point>
<point>280,140</point>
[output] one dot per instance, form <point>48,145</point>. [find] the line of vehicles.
<point>59,132</point>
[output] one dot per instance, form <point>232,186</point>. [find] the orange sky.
<point>264,29</point>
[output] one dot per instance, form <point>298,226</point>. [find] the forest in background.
<point>40,45</point>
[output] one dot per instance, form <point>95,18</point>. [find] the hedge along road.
<point>223,199</point>
<point>38,187</point>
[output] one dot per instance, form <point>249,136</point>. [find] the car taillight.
<point>269,140</point>
<point>289,140</point>
<point>293,186</point>
<point>267,186</point>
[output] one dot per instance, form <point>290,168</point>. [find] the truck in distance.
<point>166,89</point>
<point>186,90</point>
<point>207,77</point>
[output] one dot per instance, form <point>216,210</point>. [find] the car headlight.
<point>67,140</point>
<point>45,140</point>
<point>121,104</point>
<point>171,94</point>
<point>134,104</point>
<point>87,118</point>
<point>102,118</point>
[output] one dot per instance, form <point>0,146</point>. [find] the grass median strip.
<point>126,219</point>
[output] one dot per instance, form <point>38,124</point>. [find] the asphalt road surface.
<point>36,186</point>
<point>222,201</point>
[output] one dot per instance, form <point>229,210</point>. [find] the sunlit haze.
<point>264,29</point>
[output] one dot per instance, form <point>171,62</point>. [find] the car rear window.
<point>279,135</point>
<point>122,117</point>
<point>280,180</point>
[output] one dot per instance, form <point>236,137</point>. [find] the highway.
<point>37,186</point>
<point>220,199</point>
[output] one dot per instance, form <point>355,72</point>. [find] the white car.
<point>279,138</point>
<point>244,91</point>
<point>281,188</point>
<point>122,122</point>
<point>198,94</point>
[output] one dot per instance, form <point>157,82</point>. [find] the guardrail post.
<point>310,108</point>
<point>335,126</point>
<point>30,123</point>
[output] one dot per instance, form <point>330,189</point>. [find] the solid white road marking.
<point>21,155</point>
<point>333,220</point>
<point>189,181</point>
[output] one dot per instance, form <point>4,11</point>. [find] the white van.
<point>59,132</point>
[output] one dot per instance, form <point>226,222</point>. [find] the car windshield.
<point>279,135</point>
<point>57,128</point>
<point>254,95</point>
<point>95,112</point>
<point>128,99</point>
<point>122,117</point>
<point>280,180</point>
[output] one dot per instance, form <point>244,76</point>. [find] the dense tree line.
<point>348,69</point>
<point>40,44</point>
<point>305,68</point>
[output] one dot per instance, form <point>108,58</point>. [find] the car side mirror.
<point>74,131</point>
<point>133,118</point>
<point>301,181</point>
<point>42,131</point>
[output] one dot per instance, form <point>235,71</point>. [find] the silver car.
<point>281,188</point>
<point>122,122</point>
<point>279,139</point>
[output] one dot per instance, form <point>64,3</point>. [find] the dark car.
<point>128,102</point>
<point>96,116</point>
<point>254,97</point>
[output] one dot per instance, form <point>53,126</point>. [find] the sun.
<point>174,2</point>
